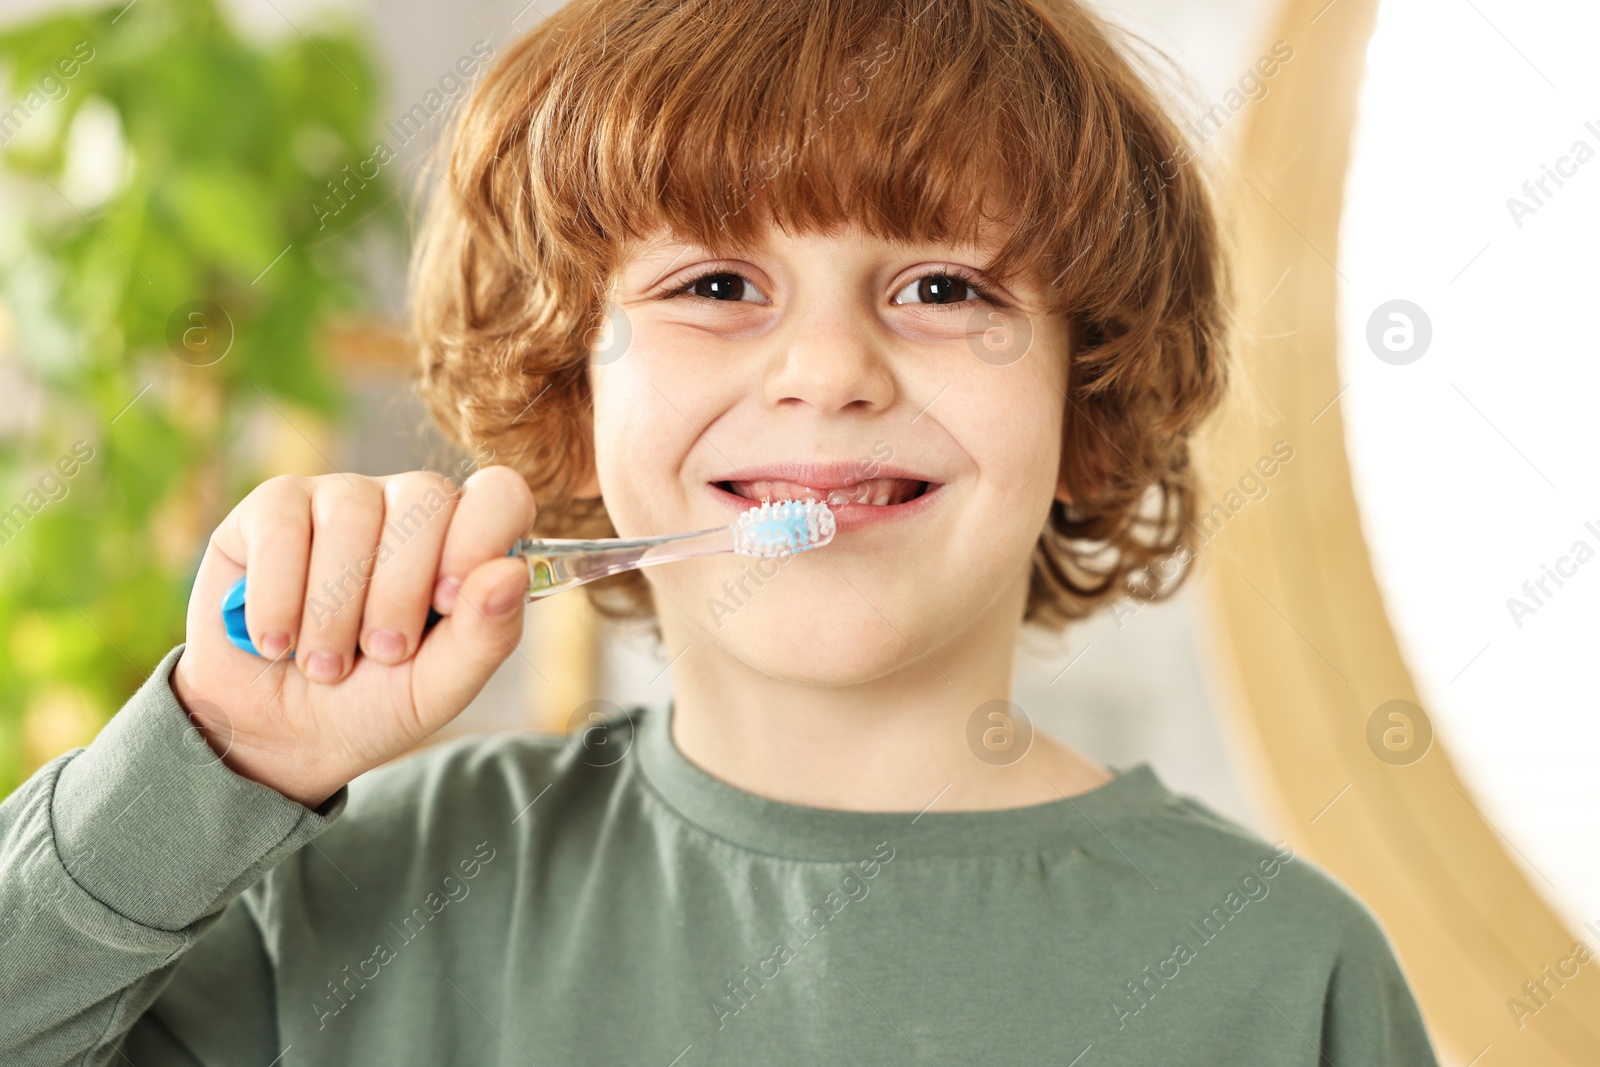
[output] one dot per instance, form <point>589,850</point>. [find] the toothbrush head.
<point>783,529</point>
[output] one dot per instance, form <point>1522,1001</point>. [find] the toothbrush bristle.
<point>781,529</point>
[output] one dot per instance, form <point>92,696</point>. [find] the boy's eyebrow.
<point>661,244</point>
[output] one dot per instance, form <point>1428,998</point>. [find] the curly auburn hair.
<point>615,118</point>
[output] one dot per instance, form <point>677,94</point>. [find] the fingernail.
<point>274,644</point>
<point>386,645</point>
<point>324,666</point>
<point>444,594</point>
<point>506,598</point>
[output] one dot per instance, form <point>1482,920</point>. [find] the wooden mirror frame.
<point>1306,651</point>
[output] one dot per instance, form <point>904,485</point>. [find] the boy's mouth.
<point>875,492</point>
<point>892,494</point>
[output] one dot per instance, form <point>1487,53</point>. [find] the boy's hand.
<point>338,563</point>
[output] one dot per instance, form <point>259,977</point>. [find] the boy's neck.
<point>899,742</point>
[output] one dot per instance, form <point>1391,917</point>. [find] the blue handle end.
<point>233,618</point>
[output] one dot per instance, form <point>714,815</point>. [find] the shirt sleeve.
<point>1370,1017</point>
<point>115,859</point>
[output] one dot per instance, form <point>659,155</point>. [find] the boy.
<point>941,243</point>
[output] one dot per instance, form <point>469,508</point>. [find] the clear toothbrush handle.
<point>555,565</point>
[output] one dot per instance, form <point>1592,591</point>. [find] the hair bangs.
<point>913,121</point>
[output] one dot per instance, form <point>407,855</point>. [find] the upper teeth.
<point>877,491</point>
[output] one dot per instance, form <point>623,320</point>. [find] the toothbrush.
<point>556,564</point>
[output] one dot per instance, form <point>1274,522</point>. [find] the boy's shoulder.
<point>1211,870</point>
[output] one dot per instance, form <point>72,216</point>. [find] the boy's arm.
<point>1370,1017</point>
<point>114,860</point>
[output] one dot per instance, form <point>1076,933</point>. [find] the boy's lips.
<point>874,492</point>
<point>857,493</point>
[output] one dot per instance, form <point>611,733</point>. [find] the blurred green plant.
<point>164,269</point>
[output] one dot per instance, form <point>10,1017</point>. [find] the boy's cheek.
<point>655,414</point>
<point>1018,401</point>
<point>640,459</point>
<point>1013,439</point>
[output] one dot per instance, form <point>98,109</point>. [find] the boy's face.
<point>874,359</point>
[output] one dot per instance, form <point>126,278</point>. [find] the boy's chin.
<point>838,651</point>
<point>830,672</point>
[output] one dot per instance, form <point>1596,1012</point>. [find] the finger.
<point>460,653</point>
<point>269,535</point>
<point>496,507</point>
<point>417,507</point>
<point>346,514</point>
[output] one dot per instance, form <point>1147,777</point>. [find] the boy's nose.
<point>829,363</point>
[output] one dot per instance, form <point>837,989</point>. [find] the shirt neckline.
<point>794,831</point>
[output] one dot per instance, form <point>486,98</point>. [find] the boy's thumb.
<point>464,648</point>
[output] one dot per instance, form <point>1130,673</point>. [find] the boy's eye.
<point>944,289</point>
<point>720,285</point>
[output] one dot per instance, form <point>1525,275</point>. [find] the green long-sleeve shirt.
<point>601,900</point>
